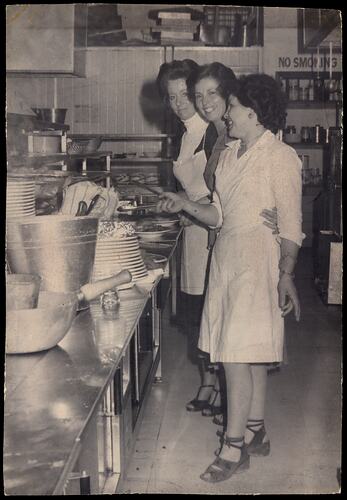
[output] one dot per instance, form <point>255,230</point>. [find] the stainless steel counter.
<point>51,395</point>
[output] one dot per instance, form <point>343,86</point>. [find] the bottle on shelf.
<point>310,91</point>
<point>319,90</point>
<point>293,90</point>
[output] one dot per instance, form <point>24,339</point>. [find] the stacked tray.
<point>20,198</point>
<point>113,255</point>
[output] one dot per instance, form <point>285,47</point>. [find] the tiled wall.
<point>118,94</point>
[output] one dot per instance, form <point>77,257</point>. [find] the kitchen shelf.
<point>135,159</point>
<point>56,157</point>
<point>307,145</point>
<point>31,122</point>
<point>123,137</point>
<point>312,104</point>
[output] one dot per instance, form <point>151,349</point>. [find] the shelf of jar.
<point>308,145</point>
<point>313,104</point>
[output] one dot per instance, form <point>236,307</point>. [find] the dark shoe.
<point>211,410</point>
<point>258,447</point>
<point>222,469</point>
<point>197,404</point>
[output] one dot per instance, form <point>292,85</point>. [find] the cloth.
<point>241,320</point>
<point>188,170</point>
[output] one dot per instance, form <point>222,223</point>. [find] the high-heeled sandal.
<point>258,447</point>
<point>212,410</point>
<point>197,404</point>
<point>222,469</point>
<point>219,419</point>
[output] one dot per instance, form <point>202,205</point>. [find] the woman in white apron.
<point>189,165</point>
<point>251,285</point>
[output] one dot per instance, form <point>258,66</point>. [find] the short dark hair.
<point>222,74</point>
<point>173,71</point>
<point>263,94</point>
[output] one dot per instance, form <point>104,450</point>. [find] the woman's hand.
<point>271,219</point>
<point>170,202</point>
<point>288,296</point>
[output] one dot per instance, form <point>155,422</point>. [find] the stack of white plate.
<point>113,255</point>
<point>20,198</point>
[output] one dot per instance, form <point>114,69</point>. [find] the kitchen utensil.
<point>34,330</point>
<point>92,204</point>
<point>82,146</point>
<point>22,291</point>
<point>59,248</point>
<point>82,209</point>
<point>52,115</point>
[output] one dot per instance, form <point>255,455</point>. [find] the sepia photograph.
<point>173,249</point>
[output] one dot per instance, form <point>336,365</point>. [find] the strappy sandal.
<point>212,410</point>
<point>219,419</point>
<point>222,469</point>
<point>258,447</point>
<point>197,404</point>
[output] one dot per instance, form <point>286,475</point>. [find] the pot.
<point>59,248</point>
<point>52,115</point>
<point>35,330</point>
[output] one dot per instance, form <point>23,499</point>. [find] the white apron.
<point>190,174</point>
<point>242,321</point>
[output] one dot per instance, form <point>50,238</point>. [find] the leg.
<point>255,436</point>
<point>233,456</point>
<point>239,385</point>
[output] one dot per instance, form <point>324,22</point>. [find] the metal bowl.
<point>34,330</point>
<point>59,248</point>
<point>52,115</point>
<point>82,146</point>
<point>22,291</point>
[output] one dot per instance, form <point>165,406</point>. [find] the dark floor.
<point>303,414</point>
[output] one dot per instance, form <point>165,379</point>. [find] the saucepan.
<point>52,115</point>
<point>39,329</point>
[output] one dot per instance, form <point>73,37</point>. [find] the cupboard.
<point>46,39</point>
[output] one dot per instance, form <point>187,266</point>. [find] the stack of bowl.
<point>20,198</point>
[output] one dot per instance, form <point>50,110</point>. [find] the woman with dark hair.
<point>192,149</point>
<point>251,285</point>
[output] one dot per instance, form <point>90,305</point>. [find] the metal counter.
<point>50,396</point>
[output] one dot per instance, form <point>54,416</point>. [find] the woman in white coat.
<point>251,283</point>
<point>193,149</point>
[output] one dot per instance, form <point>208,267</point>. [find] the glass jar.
<point>110,301</point>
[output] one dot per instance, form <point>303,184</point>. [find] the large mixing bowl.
<point>34,330</point>
<point>52,115</point>
<point>59,248</point>
<point>22,291</point>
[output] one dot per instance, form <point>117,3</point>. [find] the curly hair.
<point>263,94</point>
<point>222,74</point>
<point>174,71</point>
